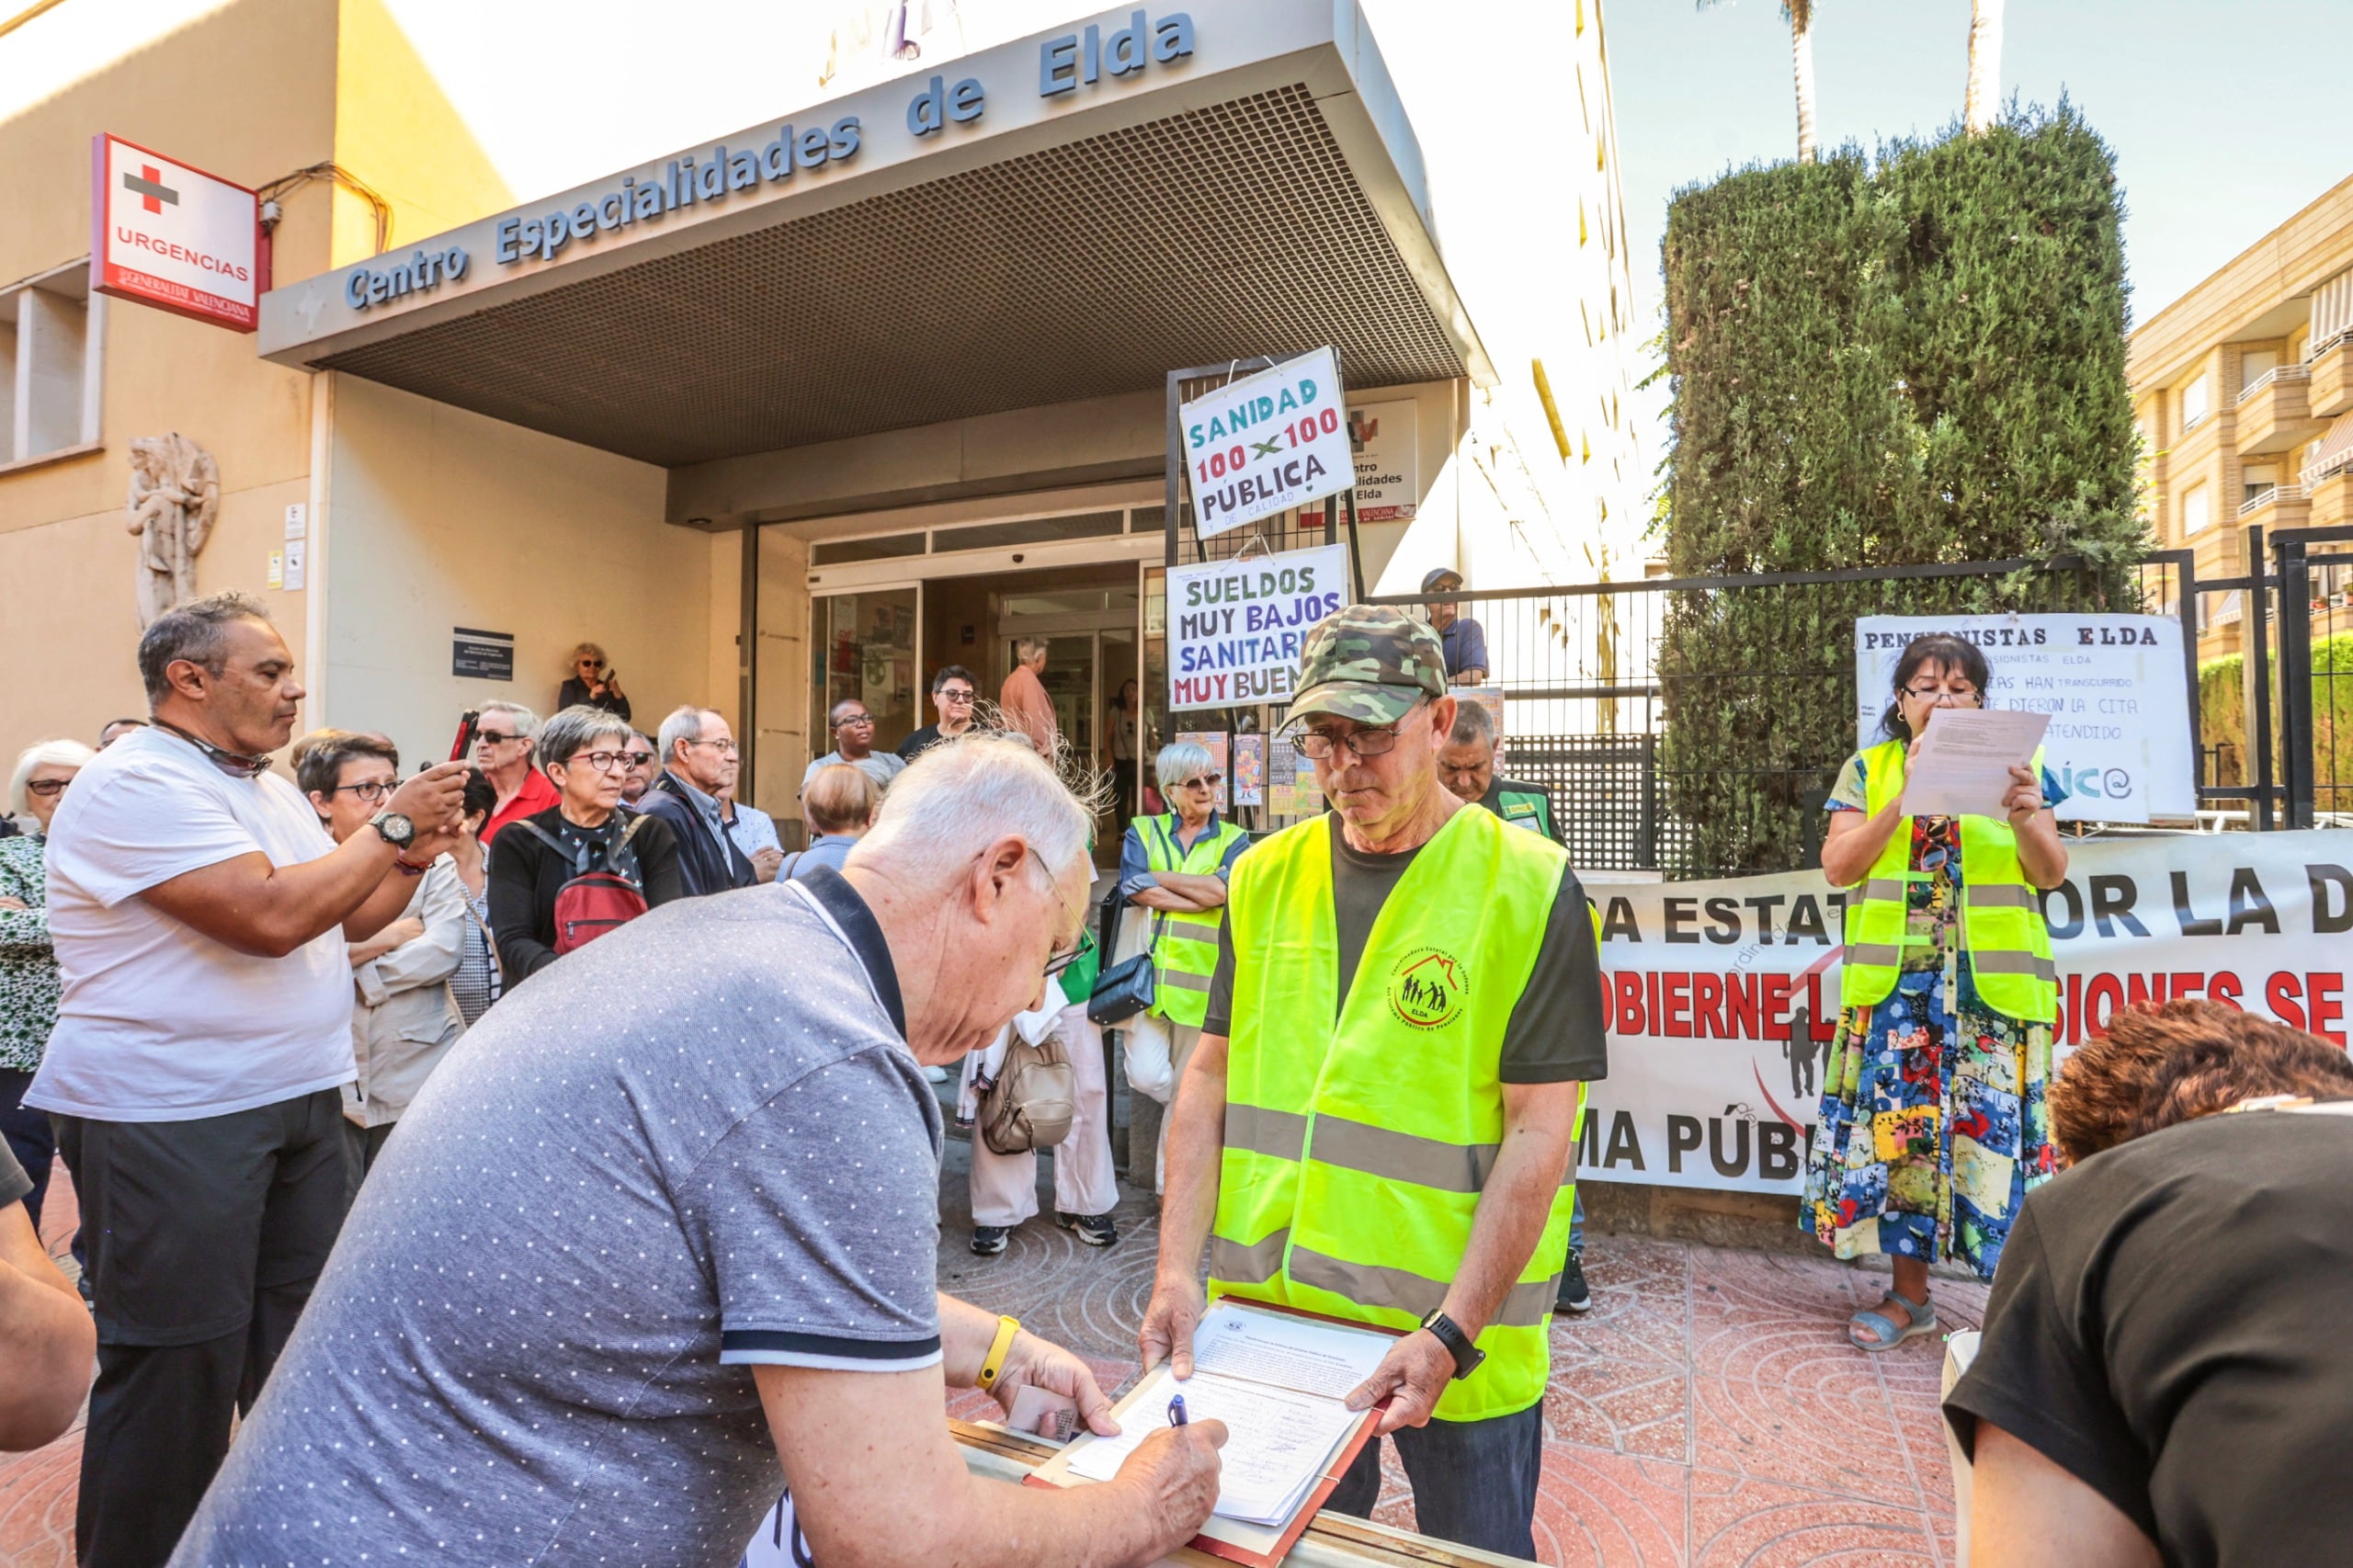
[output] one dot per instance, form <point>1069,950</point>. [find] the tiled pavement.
<point>1707,1411</point>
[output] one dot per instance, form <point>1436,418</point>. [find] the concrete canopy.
<point>1262,194</point>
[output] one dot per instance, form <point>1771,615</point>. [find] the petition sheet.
<point>1277,1445</point>
<point>1965,758</point>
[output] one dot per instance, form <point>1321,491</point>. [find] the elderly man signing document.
<point>675,1218</point>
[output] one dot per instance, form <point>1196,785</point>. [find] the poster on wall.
<point>1723,997</point>
<point>1382,437</point>
<point>1249,770</point>
<point>1266,443</point>
<point>2114,686</point>
<point>1290,783</point>
<point>174,237</point>
<point>1213,743</point>
<point>1235,626</point>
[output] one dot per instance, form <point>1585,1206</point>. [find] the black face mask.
<point>236,765</point>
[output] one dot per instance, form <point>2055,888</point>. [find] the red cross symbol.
<point>149,183</point>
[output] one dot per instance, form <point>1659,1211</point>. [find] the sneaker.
<point>989,1240</point>
<point>936,1075</point>
<point>1574,1296</point>
<point>1094,1230</point>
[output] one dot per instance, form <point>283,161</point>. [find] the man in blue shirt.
<point>1465,639</point>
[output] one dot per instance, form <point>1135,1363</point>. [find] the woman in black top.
<point>585,751</point>
<point>591,685</point>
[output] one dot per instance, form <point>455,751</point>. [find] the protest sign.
<point>1723,997</point>
<point>1267,443</point>
<point>2114,686</point>
<point>1385,439</point>
<point>1236,627</point>
<point>1249,770</point>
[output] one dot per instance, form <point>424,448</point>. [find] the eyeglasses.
<point>1317,745</point>
<point>1202,781</point>
<point>853,719</point>
<point>603,761</point>
<point>46,786</point>
<point>638,758</point>
<point>724,748</point>
<point>955,695</point>
<point>1058,961</point>
<point>371,790</point>
<point>1932,693</point>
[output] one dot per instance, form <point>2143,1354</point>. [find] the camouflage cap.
<point>1369,663</point>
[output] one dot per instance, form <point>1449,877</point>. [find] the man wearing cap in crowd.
<point>1463,640</point>
<point>1377,1122</point>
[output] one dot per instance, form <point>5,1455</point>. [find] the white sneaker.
<point>937,1074</point>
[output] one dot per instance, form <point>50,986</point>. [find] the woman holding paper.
<point>1932,1122</point>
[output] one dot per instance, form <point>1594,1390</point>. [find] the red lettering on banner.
<point>1676,993</point>
<point>2224,988</point>
<point>1740,1006</point>
<point>1707,1007</point>
<point>2096,1016</point>
<point>2143,993</point>
<point>1655,1027</point>
<point>2321,990</point>
<point>1627,989</point>
<point>2280,996</point>
<point>1775,1006</point>
<point>1820,1028</point>
<point>2186,986</point>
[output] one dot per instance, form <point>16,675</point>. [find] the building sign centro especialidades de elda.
<point>174,237</point>
<point>712,174</point>
<point>1267,442</point>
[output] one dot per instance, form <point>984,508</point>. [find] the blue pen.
<point>1176,1411</point>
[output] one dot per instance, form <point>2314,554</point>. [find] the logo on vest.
<point>1427,988</point>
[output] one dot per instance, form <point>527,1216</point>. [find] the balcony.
<point>2331,500</point>
<point>2330,391</point>
<point>2275,412</point>
<point>2276,507</point>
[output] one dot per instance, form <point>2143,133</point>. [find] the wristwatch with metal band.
<point>1458,1344</point>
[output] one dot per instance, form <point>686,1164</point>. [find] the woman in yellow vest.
<point>1174,866</point>
<point>1932,1124</point>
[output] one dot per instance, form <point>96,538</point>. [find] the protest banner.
<point>1235,626</point>
<point>1723,997</point>
<point>2114,686</point>
<point>1267,443</point>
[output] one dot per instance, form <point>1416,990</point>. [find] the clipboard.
<point>1253,1546</point>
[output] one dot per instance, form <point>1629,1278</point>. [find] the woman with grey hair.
<point>1175,866</point>
<point>30,985</point>
<point>585,754</point>
<point>592,685</point>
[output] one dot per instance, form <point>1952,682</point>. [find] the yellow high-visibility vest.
<point>1184,946</point>
<point>2002,928</point>
<point>1360,1131</point>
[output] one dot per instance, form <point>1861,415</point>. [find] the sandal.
<point>1922,1320</point>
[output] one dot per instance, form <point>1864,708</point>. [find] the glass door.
<point>863,645</point>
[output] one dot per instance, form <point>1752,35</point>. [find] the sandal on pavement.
<point>1922,1320</point>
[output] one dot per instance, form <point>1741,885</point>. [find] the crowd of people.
<point>514,1268</point>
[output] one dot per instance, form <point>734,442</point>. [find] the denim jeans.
<point>1474,1481</point>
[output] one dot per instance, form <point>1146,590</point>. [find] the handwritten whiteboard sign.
<point>1235,628</point>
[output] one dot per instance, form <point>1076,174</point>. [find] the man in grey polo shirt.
<point>648,1231</point>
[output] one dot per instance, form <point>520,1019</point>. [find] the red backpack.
<point>592,903</point>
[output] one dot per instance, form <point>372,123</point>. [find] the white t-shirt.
<point>159,1022</point>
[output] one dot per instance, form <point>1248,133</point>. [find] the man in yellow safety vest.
<point>1377,1122</point>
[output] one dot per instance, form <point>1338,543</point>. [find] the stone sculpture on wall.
<point>174,496</point>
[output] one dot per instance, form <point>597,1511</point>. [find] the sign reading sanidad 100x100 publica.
<point>1267,443</point>
<point>174,237</point>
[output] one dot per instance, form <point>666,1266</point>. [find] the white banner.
<point>2115,687</point>
<point>1267,443</point>
<point>1723,995</point>
<point>1235,627</point>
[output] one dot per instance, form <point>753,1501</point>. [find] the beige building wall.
<point>437,518</point>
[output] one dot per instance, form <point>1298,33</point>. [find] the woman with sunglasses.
<point>1175,866</point>
<point>585,751</point>
<point>1933,1127</point>
<point>592,685</point>
<point>29,984</point>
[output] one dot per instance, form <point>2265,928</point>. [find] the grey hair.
<point>527,723</point>
<point>578,649</point>
<point>1028,648</point>
<point>1179,760</point>
<point>963,795</point>
<point>192,631</point>
<point>43,754</point>
<point>1473,725</point>
<point>574,729</point>
<point>683,724</point>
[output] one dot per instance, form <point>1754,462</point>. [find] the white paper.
<point>1964,761</point>
<point>1288,1352</point>
<point>1278,1442</point>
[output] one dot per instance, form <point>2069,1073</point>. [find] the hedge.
<point>2221,720</point>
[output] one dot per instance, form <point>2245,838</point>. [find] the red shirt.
<point>536,796</point>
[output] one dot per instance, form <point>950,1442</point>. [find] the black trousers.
<point>1474,1481</point>
<point>28,1135</point>
<point>205,1240</point>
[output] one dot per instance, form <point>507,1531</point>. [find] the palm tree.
<point>1984,63</point>
<point>1800,15</point>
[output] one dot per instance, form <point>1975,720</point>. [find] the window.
<point>2254,364</point>
<point>2193,402</point>
<point>2196,511</point>
<point>2256,481</point>
<point>52,336</point>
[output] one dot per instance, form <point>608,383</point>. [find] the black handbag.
<point>1126,988</point>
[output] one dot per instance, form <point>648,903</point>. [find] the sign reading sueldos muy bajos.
<point>174,237</point>
<point>1267,443</point>
<point>1723,997</point>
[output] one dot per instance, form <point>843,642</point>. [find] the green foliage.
<point>1916,360</point>
<point>2221,720</point>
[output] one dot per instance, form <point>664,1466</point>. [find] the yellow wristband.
<point>994,1363</point>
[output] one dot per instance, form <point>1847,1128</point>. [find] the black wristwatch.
<point>1466,1355</point>
<point>395,829</point>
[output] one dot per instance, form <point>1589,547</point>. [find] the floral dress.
<point>29,984</point>
<point>1932,1127</point>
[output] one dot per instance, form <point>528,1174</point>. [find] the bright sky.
<point>2225,119</point>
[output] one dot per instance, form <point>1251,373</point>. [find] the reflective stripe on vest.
<point>2002,928</point>
<point>1360,1131</point>
<point>1184,946</point>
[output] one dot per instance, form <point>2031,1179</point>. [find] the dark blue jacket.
<point>704,869</point>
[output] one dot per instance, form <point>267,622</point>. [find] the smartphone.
<point>467,723</point>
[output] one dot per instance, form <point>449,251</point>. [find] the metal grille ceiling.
<point>1074,272</point>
